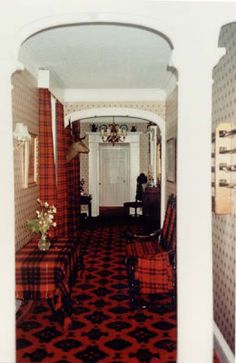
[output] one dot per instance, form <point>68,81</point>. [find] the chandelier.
<point>113,132</point>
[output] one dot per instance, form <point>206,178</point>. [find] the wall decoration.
<point>33,161</point>
<point>171,160</point>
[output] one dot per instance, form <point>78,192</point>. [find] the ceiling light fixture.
<point>113,133</point>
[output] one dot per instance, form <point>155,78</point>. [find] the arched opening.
<point>145,97</point>
<point>130,115</point>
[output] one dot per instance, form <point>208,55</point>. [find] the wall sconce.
<point>21,135</point>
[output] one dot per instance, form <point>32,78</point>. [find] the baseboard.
<point>221,347</point>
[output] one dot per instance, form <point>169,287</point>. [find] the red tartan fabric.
<point>170,241</point>
<point>47,178</point>
<point>165,228</point>
<point>139,249</point>
<point>154,274</point>
<point>73,174</point>
<point>62,183</point>
<point>42,275</point>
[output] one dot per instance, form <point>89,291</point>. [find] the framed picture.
<point>171,160</point>
<point>31,162</point>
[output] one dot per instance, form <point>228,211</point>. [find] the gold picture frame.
<point>171,160</point>
<point>31,161</point>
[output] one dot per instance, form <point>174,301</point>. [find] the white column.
<point>134,165</point>
<point>153,151</point>
<point>7,221</point>
<point>194,247</point>
<point>94,173</point>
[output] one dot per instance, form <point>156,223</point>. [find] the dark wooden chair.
<point>151,259</point>
<point>138,203</point>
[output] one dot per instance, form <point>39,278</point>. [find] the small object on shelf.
<point>133,128</point>
<point>93,127</point>
<point>225,133</point>
<point>224,183</point>
<point>225,150</point>
<point>225,167</point>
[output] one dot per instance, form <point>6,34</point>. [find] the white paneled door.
<point>114,175</point>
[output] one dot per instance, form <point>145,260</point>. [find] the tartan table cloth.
<point>154,273</point>
<point>44,275</point>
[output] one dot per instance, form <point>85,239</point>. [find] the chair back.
<point>168,234</point>
<point>141,179</point>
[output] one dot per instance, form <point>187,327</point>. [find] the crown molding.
<point>124,94</point>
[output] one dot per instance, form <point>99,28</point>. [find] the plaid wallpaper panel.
<point>62,182</point>
<point>73,180</point>
<point>47,180</point>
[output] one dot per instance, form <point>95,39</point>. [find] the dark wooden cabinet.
<point>151,206</point>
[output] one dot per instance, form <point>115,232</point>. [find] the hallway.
<point>103,328</point>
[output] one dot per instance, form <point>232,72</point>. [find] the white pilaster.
<point>153,151</point>
<point>94,173</point>
<point>194,247</point>
<point>134,142</point>
<point>7,225</point>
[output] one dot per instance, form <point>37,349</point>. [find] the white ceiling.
<point>100,56</point>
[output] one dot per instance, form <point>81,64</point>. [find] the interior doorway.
<point>114,175</point>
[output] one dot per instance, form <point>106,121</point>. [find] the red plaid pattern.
<point>166,224</point>
<point>139,249</point>
<point>47,178</point>
<point>170,240</point>
<point>154,274</point>
<point>73,173</point>
<point>42,275</point>
<point>62,184</point>
<point>167,239</point>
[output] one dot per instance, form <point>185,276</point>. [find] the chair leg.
<point>133,284</point>
<point>57,315</point>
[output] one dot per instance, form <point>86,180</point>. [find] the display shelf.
<point>223,167</point>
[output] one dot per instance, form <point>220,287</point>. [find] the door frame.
<point>133,139</point>
<point>117,147</point>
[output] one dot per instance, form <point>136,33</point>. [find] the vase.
<point>44,243</point>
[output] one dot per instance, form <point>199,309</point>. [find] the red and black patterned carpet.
<point>103,327</point>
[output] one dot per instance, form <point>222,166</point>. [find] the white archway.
<point>194,314</point>
<point>163,28</point>
<point>130,112</point>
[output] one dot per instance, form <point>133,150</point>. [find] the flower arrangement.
<point>44,221</point>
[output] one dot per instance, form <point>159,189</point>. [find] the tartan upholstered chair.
<point>151,259</point>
